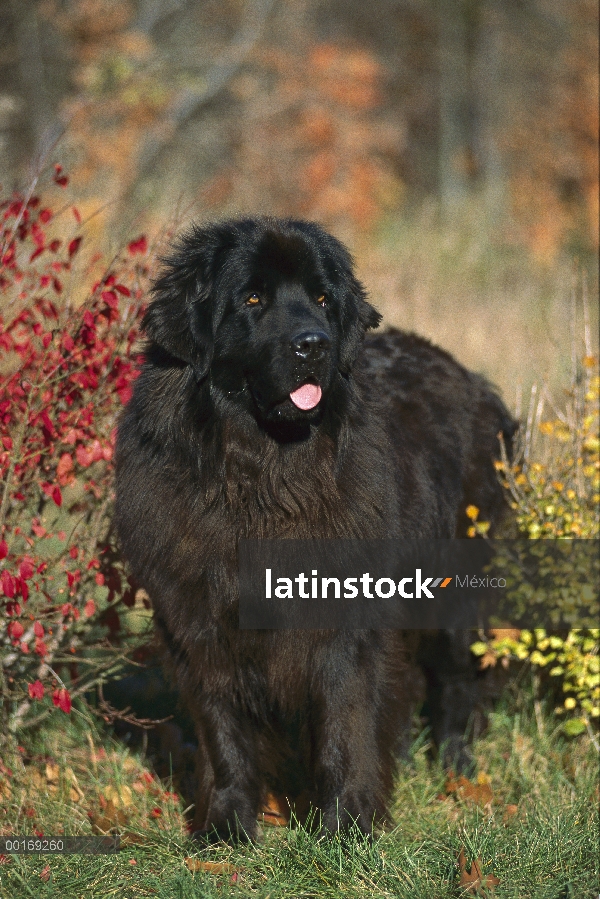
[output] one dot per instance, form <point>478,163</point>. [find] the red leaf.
<point>8,584</point>
<point>84,455</point>
<point>62,700</point>
<point>57,496</point>
<point>15,630</point>
<point>77,214</point>
<point>88,319</point>
<point>38,629</point>
<point>36,253</point>
<point>3,549</point>
<point>110,298</point>
<point>45,215</point>
<point>36,689</point>
<point>68,343</point>
<point>125,395</point>
<point>125,291</point>
<point>59,178</point>
<point>89,608</point>
<point>26,568</point>
<point>138,246</point>
<point>64,470</point>
<point>47,421</point>
<point>40,647</point>
<point>74,246</point>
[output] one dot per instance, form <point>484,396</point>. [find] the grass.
<point>529,816</point>
<point>474,290</point>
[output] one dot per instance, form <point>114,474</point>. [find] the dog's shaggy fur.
<point>262,411</point>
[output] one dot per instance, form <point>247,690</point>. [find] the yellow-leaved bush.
<point>554,487</point>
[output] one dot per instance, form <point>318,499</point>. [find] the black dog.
<point>262,412</point>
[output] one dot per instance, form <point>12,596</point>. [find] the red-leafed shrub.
<point>67,362</point>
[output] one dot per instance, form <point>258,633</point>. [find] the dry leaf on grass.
<point>275,811</point>
<point>509,812</point>
<point>5,790</point>
<point>45,873</point>
<point>196,864</point>
<point>52,773</point>
<point>76,794</point>
<point>121,797</point>
<point>480,793</point>
<point>107,819</point>
<point>473,881</point>
<point>41,782</point>
<point>131,839</point>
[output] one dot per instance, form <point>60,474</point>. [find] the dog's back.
<point>448,412</point>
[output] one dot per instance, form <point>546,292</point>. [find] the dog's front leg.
<point>350,766</point>
<point>228,783</point>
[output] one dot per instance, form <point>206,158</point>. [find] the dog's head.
<point>270,309</point>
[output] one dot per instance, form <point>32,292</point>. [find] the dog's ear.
<point>182,317</point>
<point>358,317</point>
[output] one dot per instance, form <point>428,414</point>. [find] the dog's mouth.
<point>307,396</point>
<point>302,404</point>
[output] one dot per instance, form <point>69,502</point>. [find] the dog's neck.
<point>243,471</point>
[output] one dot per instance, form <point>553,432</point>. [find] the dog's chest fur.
<point>306,491</point>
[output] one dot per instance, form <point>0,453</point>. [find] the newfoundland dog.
<point>262,411</point>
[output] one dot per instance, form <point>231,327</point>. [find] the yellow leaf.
<point>119,796</point>
<point>52,773</point>
<point>196,864</point>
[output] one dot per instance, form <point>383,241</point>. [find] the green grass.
<point>545,848</point>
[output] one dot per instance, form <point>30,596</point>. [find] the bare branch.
<point>226,66</point>
<point>109,714</point>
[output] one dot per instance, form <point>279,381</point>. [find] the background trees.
<point>344,111</point>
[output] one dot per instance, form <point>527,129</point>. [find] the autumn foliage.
<point>68,359</point>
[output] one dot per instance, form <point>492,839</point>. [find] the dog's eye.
<point>253,300</point>
<point>321,300</point>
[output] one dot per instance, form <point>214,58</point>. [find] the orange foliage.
<point>321,128</point>
<point>326,154</point>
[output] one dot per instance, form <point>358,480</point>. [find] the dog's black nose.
<point>310,344</point>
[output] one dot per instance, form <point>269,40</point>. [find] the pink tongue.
<point>306,397</point>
